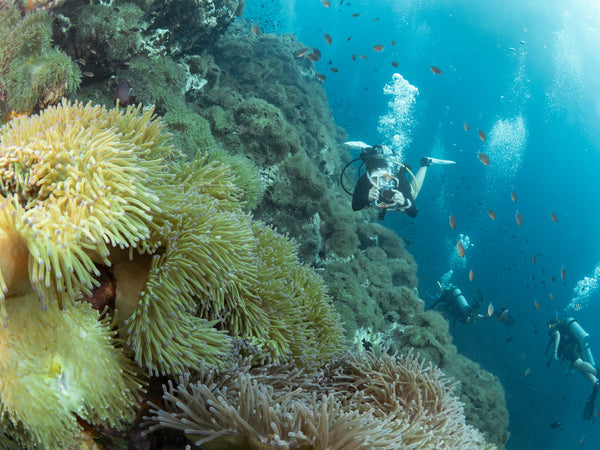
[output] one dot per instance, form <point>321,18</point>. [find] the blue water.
<point>526,73</point>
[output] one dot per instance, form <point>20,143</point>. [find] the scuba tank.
<point>582,337</point>
<point>461,302</point>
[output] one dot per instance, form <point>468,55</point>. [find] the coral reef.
<point>85,188</point>
<point>239,286</point>
<point>33,74</point>
<point>369,400</point>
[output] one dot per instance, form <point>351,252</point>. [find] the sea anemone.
<point>58,368</point>
<point>366,400</point>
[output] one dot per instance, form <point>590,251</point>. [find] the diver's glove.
<point>398,198</point>
<point>400,201</point>
<point>373,194</point>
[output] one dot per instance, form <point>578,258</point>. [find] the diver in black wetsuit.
<point>387,185</point>
<point>453,304</point>
<point>571,344</point>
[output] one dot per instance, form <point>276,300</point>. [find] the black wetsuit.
<point>360,197</point>
<point>448,305</point>
<point>568,346</point>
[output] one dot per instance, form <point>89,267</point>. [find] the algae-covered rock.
<point>192,24</point>
<point>106,35</point>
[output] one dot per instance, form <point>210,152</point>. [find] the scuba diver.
<point>571,344</point>
<point>384,183</point>
<point>453,304</point>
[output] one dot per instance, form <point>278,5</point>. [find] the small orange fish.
<point>533,259</point>
<point>598,414</point>
<point>563,272</point>
<point>378,48</point>
<point>551,296</point>
<point>485,160</point>
<point>436,70</point>
<point>527,371</point>
<point>492,214</point>
<point>395,64</point>
<point>471,275</point>
<point>452,220</point>
<point>482,135</point>
<point>490,310</point>
<point>362,57</point>
<point>554,218</point>
<point>519,218</point>
<point>254,29</point>
<point>328,38</point>
<point>466,126</point>
<point>537,304</point>
<point>14,115</point>
<point>393,43</point>
<point>355,14</point>
<point>326,3</point>
<point>375,19</point>
<point>300,53</point>
<point>321,77</point>
<point>353,57</point>
<point>460,249</point>
<point>334,69</point>
<point>513,196</point>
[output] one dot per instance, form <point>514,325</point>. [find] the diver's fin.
<point>589,406</point>
<point>440,161</point>
<point>357,145</point>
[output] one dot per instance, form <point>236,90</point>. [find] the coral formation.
<point>192,24</point>
<point>120,23</point>
<point>33,74</point>
<point>369,400</point>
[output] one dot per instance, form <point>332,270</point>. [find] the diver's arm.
<point>556,336</point>
<point>360,197</point>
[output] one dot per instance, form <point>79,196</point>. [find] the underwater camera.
<point>385,183</point>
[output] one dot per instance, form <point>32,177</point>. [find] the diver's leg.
<point>586,369</point>
<point>417,182</point>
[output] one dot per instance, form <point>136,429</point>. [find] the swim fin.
<point>357,145</point>
<point>440,161</point>
<point>589,406</point>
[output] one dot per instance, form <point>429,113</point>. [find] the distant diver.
<point>571,344</point>
<point>385,183</point>
<point>453,305</point>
